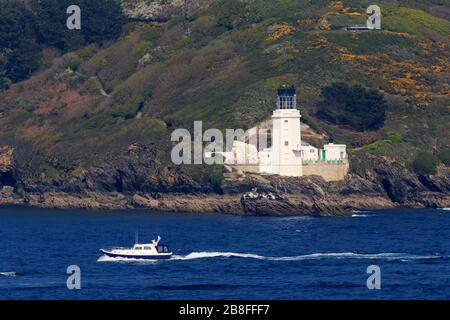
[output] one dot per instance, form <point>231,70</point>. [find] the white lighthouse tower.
<point>286,139</point>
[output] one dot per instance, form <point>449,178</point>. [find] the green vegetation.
<point>129,109</point>
<point>394,137</point>
<point>147,41</point>
<point>362,164</point>
<point>444,156</point>
<point>382,93</point>
<point>354,106</point>
<point>413,21</point>
<point>425,163</point>
<point>19,51</point>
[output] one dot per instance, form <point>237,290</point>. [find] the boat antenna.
<point>136,237</point>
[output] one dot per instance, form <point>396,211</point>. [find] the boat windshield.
<point>162,249</point>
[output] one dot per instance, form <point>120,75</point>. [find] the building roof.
<point>349,28</point>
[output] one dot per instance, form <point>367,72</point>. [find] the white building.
<point>335,152</point>
<point>288,156</point>
<point>309,153</point>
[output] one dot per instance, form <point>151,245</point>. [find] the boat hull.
<point>126,256</point>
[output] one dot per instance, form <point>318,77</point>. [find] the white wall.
<point>335,151</point>
<point>245,153</point>
<point>310,153</point>
<point>265,161</point>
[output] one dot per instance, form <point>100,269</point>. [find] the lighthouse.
<point>286,137</point>
<point>287,155</point>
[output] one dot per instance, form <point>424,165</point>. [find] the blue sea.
<point>226,257</point>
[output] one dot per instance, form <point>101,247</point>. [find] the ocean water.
<point>226,257</point>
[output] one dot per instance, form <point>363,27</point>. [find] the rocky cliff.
<point>7,167</point>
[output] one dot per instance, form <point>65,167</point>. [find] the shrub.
<point>70,60</point>
<point>355,106</point>
<point>86,53</point>
<point>425,163</point>
<point>147,41</point>
<point>129,109</point>
<point>444,156</point>
<point>394,137</point>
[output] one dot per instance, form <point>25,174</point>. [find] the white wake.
<point>105,258</point>
<point>360,213</point>
<point>314,256</point>
<point>8,274</point>
<point>202,255</point>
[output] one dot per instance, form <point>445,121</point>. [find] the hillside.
<point>99,119</point>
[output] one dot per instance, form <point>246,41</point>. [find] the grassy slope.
<point>222,67</point>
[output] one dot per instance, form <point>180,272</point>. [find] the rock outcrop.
<point>8,176</point>
<point>161,10</point>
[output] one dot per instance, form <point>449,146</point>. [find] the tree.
<point>425,163</point>
<point>355,106</point>
<point>22,32</point>
<point>100,20</point>
<point>51,20</point>
<point>19,51</point>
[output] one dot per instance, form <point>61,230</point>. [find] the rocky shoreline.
<point>226,204</point>
<point>253,203</point>
<point>388,185</point>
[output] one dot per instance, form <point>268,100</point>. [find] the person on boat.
<point>155,242</point>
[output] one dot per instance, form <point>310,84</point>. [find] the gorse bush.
<point>425,163</point>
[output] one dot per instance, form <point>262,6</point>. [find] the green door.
<point>324,155</point>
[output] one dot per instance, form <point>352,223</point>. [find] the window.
<point>147,248</point>
<point>286,143</point>
<point>162,249</point>
<point>286,102</point>
<point>138,248</point>
<point>342,155</point>
<point>286,121</point>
